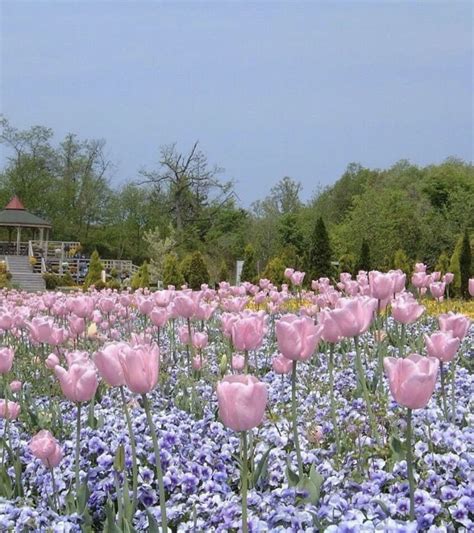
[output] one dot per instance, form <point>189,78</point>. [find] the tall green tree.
<point>465,264</point>
<point>363,262</point>
<point>319,255</point>
<point>249,270</point>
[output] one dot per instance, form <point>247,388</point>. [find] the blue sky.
<point>269,88</point>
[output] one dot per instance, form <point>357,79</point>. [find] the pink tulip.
<point>40,329</point>
<point>471,287</point>
<point>248,332</point>
<point>297,337</point>
<point>297,278</point>
<point>82,306</point>
<point>442,345</point>
<point>329,320</point>
<point>282,365</point>
<point>6,320</point>
<point>15,386</point>
<point>406,310</point>
<point>354,315</point>
<point>242,400</point>
<point>420,267</point>
<point>52,361</point>
<point>46,448</point>
<point>140,365</point>
<point>183,334</point>
<point>184,305</point>
<point>288,272</point>
<point>79,382</point>
<point>108,363</point>
<point>9,410</point>
<point>457,323</point>
<point>412,380</point>
<point>437,289</point>
<point>227,321</point>
<point>448,278</point>
<point>159,316</point>
<point>238,362</point>
<point>197,363</point>
<point>145,304</point>
<point>77,325</point>
<point>200,340</point>
<point>382,286</point>
<point>6,359</point>
<point>419,280</point>
<point>205,311</point>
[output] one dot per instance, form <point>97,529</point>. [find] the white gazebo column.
<point>18,240</point>
<point>41,237</point>
<point>45,248</point>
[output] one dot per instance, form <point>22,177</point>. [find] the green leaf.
<point>153,526</point>
<point>82,497</point>
<point>127,502</point>
<point>262,468</point>
<point>119,461</point>
<point>293,478</point>
<point>383,506</point>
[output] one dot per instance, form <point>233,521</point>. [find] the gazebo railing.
<point>10,248</point>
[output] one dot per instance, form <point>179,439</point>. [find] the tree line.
<point>183,216</point>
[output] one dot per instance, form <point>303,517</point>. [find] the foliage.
<point>198,272</point>
<point>347,263</point>
<point>94,274</point>
<point>141,278</point>
<point>223,272</point>
<point>465,264</point>
<point>402,262</point>
<point>171,271</point>
<point>455,267</point>
<point>274,271</point>
<point>442,265</point>
<point>159,244</point>
<point>318,259</point>
<point>363,262</point>
<point>249,270</point>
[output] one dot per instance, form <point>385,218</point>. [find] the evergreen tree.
<point>318,260</point>
<point>274,271</point>
<point>223,272</point>
<point>141,278</point>
<point>465,263</point>
<point>364,259</point>
<point>347,263</point>
<point>198,273</point>
<point>442,265</point>
<point>249,270</point>
<point>401,262</point>
<point>94,274</point>
<point>454,267</point>
<point>185,267</point>
<point>171,271</point>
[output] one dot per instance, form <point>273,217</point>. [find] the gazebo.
<point>15,216</point>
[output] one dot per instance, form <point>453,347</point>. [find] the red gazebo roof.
<point>15,203</point>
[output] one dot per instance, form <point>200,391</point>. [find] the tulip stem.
<point>244,481</point>
<point>159,472</point>
<point>78,446</point>
<point>246,363</point>
<point>401,347</point>
<point>365,391</point>
<point>411,479</point>
<point>55,496</point>
<point>133,447</point>
<point>331,394</point>
<point>443,391</point>
<point>453,391</point>
<point>295,426</point>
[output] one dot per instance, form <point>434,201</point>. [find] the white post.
<point>18,240</point>
<point>41,237</point>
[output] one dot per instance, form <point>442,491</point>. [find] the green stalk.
<point>443,391</point>
<point>295,427</point>
<point>246,364</point>
<point>365,391</point>
<point>453,391</point>
<point>411,479</point>
<point>401,347</point>
<point>78,446</point>
<point>55,495</point>
<point>244,481</point>
<point>134,448</point>
<point>159,472</point>
<point>331,395</point>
